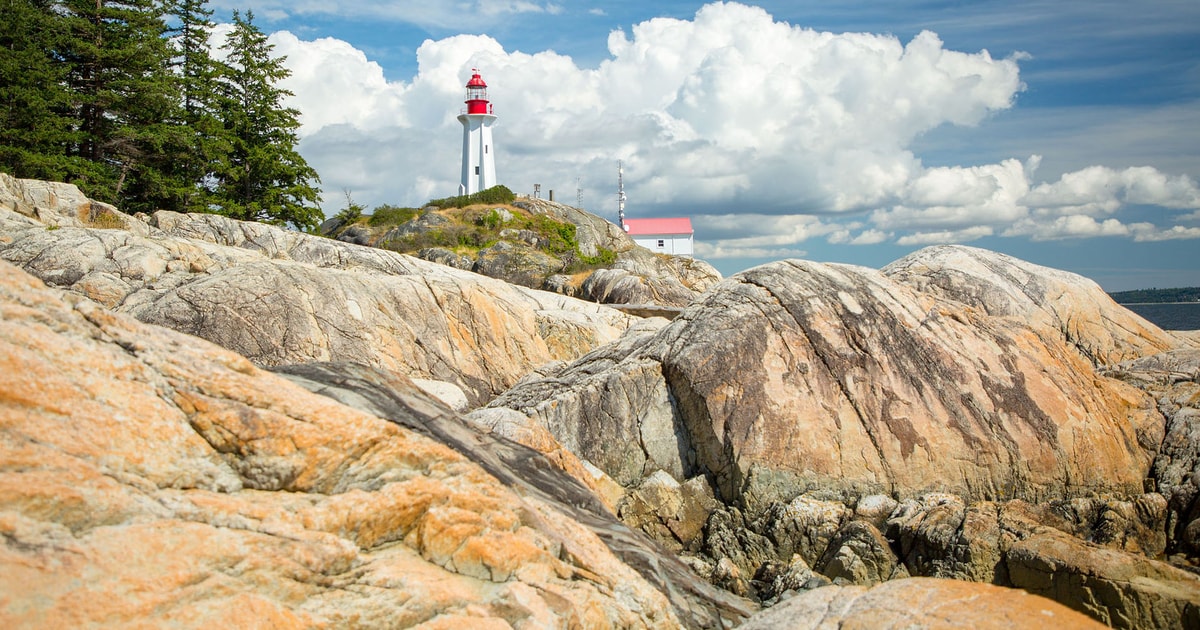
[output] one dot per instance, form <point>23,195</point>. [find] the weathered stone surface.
<point>1174,379</point>
<point>798,375</point>
<point>939,535</point>
<point>1121,590</point>
<point>519,428</point>
<point>280,297</point>
<point>625,425</point>
<point>641,277</point>
<point>150,477</point>
<point>858,554</point>
<point>1049,299</point>
<point>804,526</point>
<point>918,603</point>
<point>591,231</point>
<point>62,205</point>
<point>446,257</point>
<point>517,264</point>
<point>672,513</point>
<point>543,481</point>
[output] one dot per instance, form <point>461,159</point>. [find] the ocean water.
<point>1177,316</point>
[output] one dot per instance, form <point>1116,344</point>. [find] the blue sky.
<point>1064,133</point>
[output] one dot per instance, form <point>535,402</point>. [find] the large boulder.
<point>280,297</point>
<point>642,277</point>
<point>798,375</point>
<point>516,264</point>
<point>56,204</point>
<point>153,478</point>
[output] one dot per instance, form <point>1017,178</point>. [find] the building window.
<point>662,243</point>
<point>485,148</point>
<point>476,170</point>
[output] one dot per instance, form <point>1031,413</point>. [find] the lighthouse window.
<point>476,170</point>
<point>485,148</point>
<point>662,243</point>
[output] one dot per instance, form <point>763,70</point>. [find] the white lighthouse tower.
<point>478,154</point>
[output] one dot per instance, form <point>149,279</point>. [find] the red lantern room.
<point>477,100</point>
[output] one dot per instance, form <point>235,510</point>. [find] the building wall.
<point>675,244</point>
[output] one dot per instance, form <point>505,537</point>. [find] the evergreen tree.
<point>124,100</point>
<point>35,112</point>
<point>264,178</point>
<point>201,142</point>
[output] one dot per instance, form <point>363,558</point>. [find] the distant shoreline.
<point>1169,315</point>
<point>1146,303</point>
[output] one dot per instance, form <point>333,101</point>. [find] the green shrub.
<point>490,220</point>
<point>495,195</point>
<point>604,257</point>
<point>392,215</point>
<point>560,236</point>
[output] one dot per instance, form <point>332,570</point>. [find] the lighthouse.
<point>478,154</point>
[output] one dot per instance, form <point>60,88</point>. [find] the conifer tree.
<point>200,143</point>
<point>264,177</point>
<point>123,98</point>
<point>35,112</point>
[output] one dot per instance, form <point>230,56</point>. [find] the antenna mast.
<point>579,193</point>
<point>620,196</point>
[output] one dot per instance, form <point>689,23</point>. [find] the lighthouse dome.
<point>476,81</point>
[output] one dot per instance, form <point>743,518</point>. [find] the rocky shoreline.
<point>433,446</point>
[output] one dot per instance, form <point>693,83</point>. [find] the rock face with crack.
<point>150,477</point>
<point>798,375</point>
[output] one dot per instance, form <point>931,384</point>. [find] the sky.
<point>1065,133</point>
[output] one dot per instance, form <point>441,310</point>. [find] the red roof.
<point>648,227</point>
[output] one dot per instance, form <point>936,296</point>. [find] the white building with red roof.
<point>662,236</point>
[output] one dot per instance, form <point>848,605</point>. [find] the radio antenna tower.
<point>579,193</point>
<point>620,196</point>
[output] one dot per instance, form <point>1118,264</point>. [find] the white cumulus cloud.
<point>718,116</point>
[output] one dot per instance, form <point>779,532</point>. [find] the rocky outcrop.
<point>1122,590</point>
<point>959,414</point>
<point>635,276</point>
<point>151,476</point>
<point>919,603</point>
<point>552,480</point>
<point>642,277</point>
<point>516,264</point>
<point>1050,300</point>
<point>281,297</point>
<point>592,232</point>
<point>798,375</point>
<point>55,204</point>
<point>854,428</point>
<point>1173,378</point>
